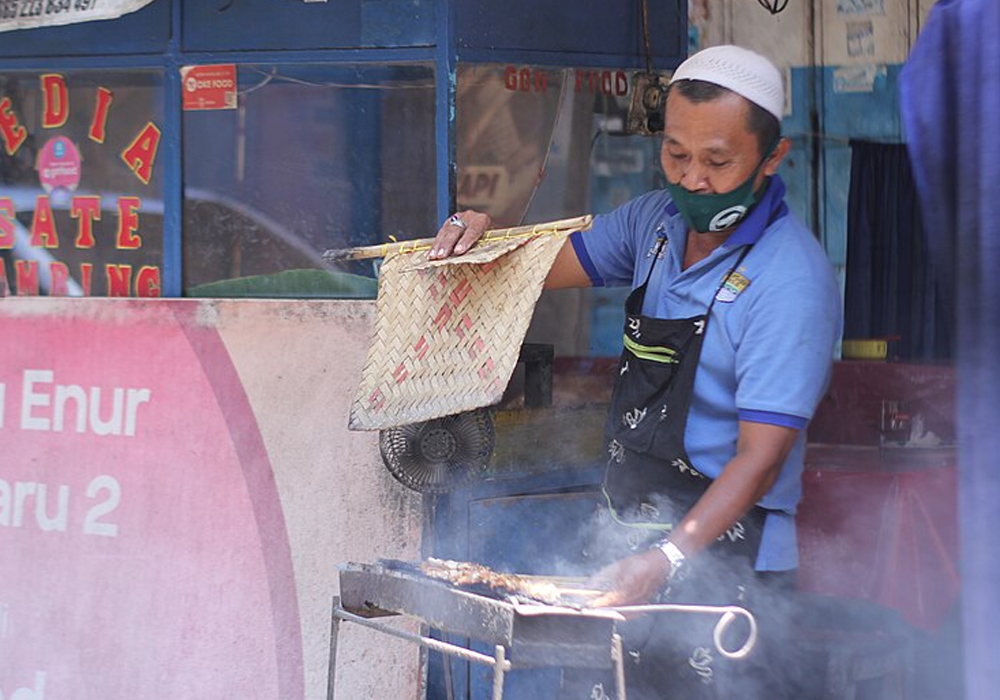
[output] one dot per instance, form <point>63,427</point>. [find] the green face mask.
<point>717,212</point>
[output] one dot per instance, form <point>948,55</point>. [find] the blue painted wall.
<point>872,114</point>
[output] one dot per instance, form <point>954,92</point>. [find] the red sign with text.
<point>208,87</point>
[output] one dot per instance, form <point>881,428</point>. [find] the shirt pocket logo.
<point>731,289</point>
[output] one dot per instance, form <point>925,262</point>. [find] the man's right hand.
<point>454,238</point>
<point>633,580</point>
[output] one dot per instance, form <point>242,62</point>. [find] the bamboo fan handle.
<point>580,223</point>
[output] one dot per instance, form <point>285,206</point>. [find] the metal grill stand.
<point>498,662</point>
<point>523,636</point>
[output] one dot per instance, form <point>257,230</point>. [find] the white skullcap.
<point>741,70</point>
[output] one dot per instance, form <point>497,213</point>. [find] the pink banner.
<point>143,551</point>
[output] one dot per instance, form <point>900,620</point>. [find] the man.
<point>729,339</point>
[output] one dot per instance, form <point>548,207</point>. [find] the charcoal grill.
<point>522,634</point>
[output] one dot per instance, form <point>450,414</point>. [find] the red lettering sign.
<point>6,223</point>
<point>27,278</point>
<point>55,101</point>
<point>12,132</point>
<point>59,273</point>
<point>604,82</point>
<point>525,79</point>
<point>147,282</point>
<point>141,153</point>
<point>43,225</point>
<point>100,120</point>
<point>119,279</point>
<point>128,223</point>
<point>87,210</point>
<point>86,275</point>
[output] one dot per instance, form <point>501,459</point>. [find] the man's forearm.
<point>729,497</point>
<point>744,481</point>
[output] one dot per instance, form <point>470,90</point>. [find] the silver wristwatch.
<point>672,553</point>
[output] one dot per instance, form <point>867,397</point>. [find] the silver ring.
<point>454,220</point>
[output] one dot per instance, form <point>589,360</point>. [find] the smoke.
<point>804,640</point>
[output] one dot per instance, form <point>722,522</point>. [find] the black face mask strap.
<point>767,154</point>
<point>771,149</point>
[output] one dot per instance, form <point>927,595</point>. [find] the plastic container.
<point>864,349</point>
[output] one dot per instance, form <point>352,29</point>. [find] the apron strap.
<point>661,239</point>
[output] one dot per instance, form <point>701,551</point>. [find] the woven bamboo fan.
<point>448,332</point>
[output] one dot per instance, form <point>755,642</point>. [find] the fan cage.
<point>438,455</point>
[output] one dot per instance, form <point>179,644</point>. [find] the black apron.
<point>650,484</point>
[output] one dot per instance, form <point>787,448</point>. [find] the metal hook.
<point>723,624</point>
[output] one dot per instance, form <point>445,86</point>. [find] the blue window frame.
<point>304,47</point>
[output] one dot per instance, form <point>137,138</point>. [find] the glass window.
<point>312,157</point>
<point>81,182</point>
<point>537,144</point>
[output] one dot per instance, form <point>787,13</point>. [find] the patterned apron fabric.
<point>650,484</point>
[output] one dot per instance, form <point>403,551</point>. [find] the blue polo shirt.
<point>770,341</point>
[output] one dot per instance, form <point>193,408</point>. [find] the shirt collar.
<point>769,209</point>
<point>676,231</point>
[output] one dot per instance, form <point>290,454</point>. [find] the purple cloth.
<point>950,103</point>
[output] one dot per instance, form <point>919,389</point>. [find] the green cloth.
<point>292,283</point>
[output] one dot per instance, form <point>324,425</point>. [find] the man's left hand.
<point>633,580</point>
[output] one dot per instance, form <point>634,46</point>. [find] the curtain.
<point>891,288</point>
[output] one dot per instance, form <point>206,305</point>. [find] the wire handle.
<point>728,615</point>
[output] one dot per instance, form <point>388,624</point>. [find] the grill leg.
<point>334,631</point>
<point>618,658</point>
<point>498,671</point>
<point>449,677</point>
